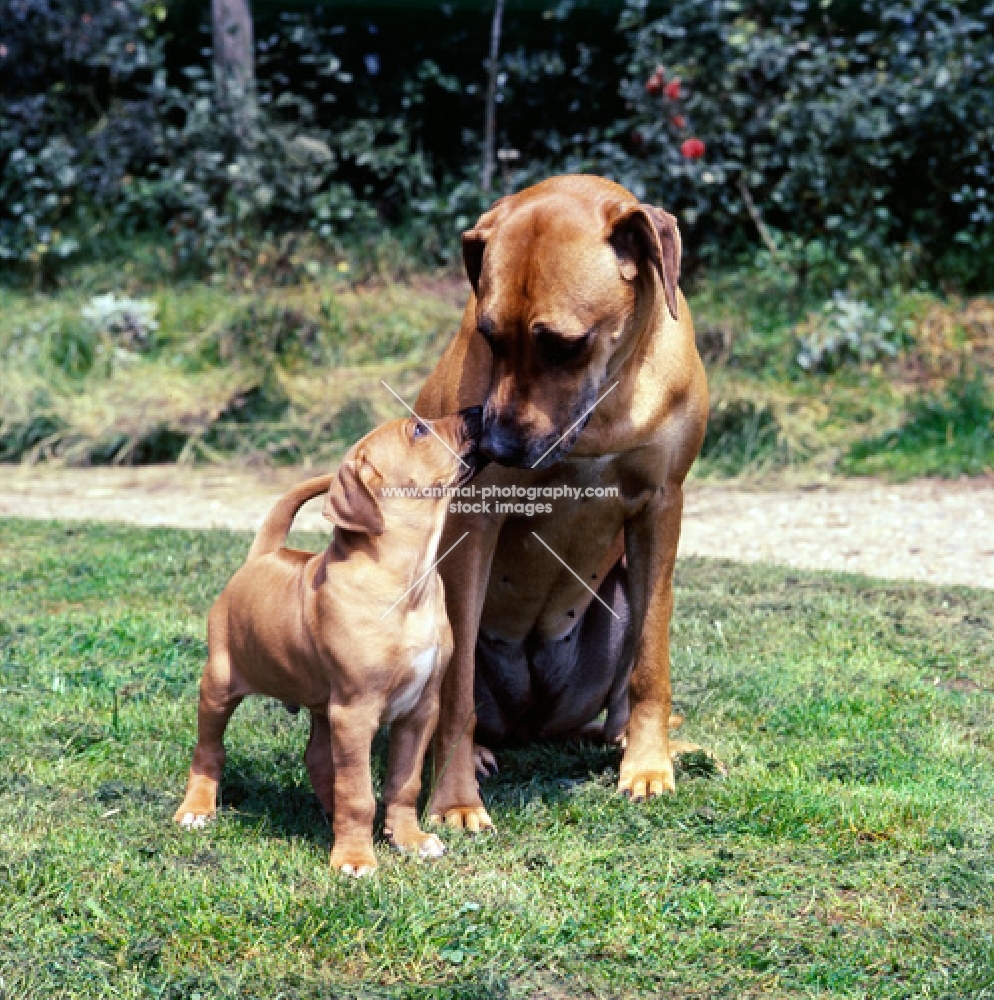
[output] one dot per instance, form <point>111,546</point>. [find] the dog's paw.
<point>432,847</point>
<point>484,762</point>
<point>646,779</point>
<point>472,818</point>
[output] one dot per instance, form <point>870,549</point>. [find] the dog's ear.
<point>644,232</point>
<point>474,241</point>
<point>350,503</point>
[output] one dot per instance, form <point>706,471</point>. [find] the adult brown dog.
<point>357,633</point>
<point>575,301</point>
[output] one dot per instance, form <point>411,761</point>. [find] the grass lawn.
<point>849,852</point>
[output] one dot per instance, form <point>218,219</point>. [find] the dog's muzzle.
<point>502,444</point>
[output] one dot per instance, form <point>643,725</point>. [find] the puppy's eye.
<point>420,429</point>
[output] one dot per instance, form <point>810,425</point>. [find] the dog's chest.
<point>422,649</point>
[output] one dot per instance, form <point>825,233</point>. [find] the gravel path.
<point>940,532</point>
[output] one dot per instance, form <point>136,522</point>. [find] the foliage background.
<point>861,132</point>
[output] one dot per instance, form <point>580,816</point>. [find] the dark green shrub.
<point>73,117</point>
<point>859,125</point>
<point>852,138</point>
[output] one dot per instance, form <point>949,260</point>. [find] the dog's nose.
<point>501,445</point>
<point>472,418</point>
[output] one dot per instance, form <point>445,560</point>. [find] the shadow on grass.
<point>255,795</point>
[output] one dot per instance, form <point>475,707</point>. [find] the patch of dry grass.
<point>223,376</point>
<point>290,374</point>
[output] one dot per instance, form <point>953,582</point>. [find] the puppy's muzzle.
<point>469,452</point>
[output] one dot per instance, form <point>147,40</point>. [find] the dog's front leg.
<point>455,797</point>
<point>352,731</point>
<point>651,539</point>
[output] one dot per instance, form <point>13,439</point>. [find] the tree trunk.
<point>489,138</point>
<point>234,63</point>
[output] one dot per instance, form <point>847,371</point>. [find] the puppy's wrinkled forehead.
<point>550,262</point>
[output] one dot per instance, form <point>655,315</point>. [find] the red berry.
<point>673,90</point>
<point>679,121</point>
<point>692,149</point>
<point>654,84</point>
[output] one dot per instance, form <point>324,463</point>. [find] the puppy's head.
<point>402,462</point>
<point>565,273</point>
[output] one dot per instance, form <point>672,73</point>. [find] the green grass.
<point>849,852</point>
<point>951,432</point>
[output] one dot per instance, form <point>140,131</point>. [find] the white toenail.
<point>432,848</point>
<point>357,872</point>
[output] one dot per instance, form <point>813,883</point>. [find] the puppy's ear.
<point>474,241</point>
<point>644,232</point>
<point>350,503</point>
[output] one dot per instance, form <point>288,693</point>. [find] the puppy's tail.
<point>272,534</point>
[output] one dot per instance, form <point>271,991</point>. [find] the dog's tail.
<point>272,534</point>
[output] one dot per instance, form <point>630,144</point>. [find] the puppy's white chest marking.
<point>406,697</point>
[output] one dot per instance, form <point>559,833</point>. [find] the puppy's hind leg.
<point>221,692</point>
<point>352,731</point>
<point>320,765</point>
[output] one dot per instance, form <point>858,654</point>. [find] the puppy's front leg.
<point>409,738</point>
<point>352,731</point>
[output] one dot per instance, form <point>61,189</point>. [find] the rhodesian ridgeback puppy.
<point>579,344</point>
<point>358,633</point>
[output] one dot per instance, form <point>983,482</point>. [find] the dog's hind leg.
<point>320,765</point>
<point>221,692</point>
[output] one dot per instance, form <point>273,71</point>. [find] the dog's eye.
<point>554,349</point>
<point>420,429</point>
<point>487,329</point>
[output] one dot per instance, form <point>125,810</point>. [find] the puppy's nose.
<point>502,445</point>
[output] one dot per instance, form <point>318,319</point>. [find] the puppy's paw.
<point>192,821</point>
<point>416,841</point>
<point>199,805</point>
<point>355,861</point>
<point>357,871</point>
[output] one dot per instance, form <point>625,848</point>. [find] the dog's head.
<point>565,274</point>
<point>401,463</point>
